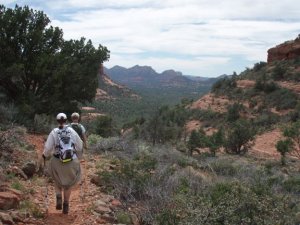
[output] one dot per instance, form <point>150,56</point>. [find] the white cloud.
<point>192,34</point>
<point>5,2</point>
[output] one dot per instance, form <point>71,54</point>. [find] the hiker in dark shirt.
<point>79,128</point>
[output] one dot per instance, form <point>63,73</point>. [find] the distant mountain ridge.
<point>146,76</point>
<point>108,89</point>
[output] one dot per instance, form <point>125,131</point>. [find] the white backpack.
<point>65,145</point>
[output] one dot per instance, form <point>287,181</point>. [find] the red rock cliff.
<point>287,50</point>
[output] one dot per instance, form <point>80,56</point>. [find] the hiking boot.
<point>65,207</point>
<point>58,202</point>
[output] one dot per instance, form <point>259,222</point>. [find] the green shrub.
<point>31,208</point>
<point>167,217</point>
<point>123,218</point>
<point>261,184</point>
<point>292,184</point>
<point>17,185</point>
<point>266,120</point>
<point>234,203</point>
<point>166,125</point>
<point>224,86</point>
<point>182,147</point>
<point>131,177</point>
<point>93,139</point>
<point>108,144</point>
<point>224,167</point>
<point>238,137</point>
<point>233,112</point>
<point>197,140</point>
<point>42,124</point>
<point>270,165</point>
<point>219,190</point>
<point>183,162</point>
<point>284,146</point>
<point>291,144</point>
<point>282,99</point>
<point>278,72</point>
<point>184,185</point>
<point>296,76</point>
<point>104,126</point>
<point>8,114</point>
<point>258,66</point>
<point>261,84</point>
<point>145,162</point>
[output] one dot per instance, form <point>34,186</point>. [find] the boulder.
<point>99,202</point>
<point>16,216</point>
<point>116,203</point>
<point>285,51</point>
<point>102,209</point>
<point>29,169</point>
<point>18,172</point>
<point>9,200</point>
<point>6,219</point>
<point>106,198</point>
<point>96,180</point>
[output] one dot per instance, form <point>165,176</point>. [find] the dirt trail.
<point>77,207</point>
<point>80,211</point>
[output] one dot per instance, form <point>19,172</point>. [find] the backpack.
<point>78,129</point>
<point>65,145</point>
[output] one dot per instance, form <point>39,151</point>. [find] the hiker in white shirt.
<point>63,147</point>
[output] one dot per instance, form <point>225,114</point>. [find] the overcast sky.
<point>196,37</point>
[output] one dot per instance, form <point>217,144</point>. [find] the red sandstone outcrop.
<point>287,50</point>
<point>9,200</point>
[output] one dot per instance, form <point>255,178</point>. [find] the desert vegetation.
<point>163,168</point>
<point>41,72</point>
<point>173,188</point>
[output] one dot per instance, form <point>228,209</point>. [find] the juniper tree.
<point>40,71</point>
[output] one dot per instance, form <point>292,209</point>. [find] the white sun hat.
<point>61,116</point>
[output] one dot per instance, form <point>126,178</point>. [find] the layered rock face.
<point>285,51</point>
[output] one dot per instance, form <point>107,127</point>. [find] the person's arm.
<point>84,139</point>
<point>49,145</point>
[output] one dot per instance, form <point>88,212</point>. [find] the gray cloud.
<point>191,35</point>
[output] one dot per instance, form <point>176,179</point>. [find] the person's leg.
<point>58,191</point>
<point>67,194</point>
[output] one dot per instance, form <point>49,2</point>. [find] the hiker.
<point>62,146</point>
<point>79,128</point>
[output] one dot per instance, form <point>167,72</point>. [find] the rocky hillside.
<point>109,90</point>
<point>267,95</point>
